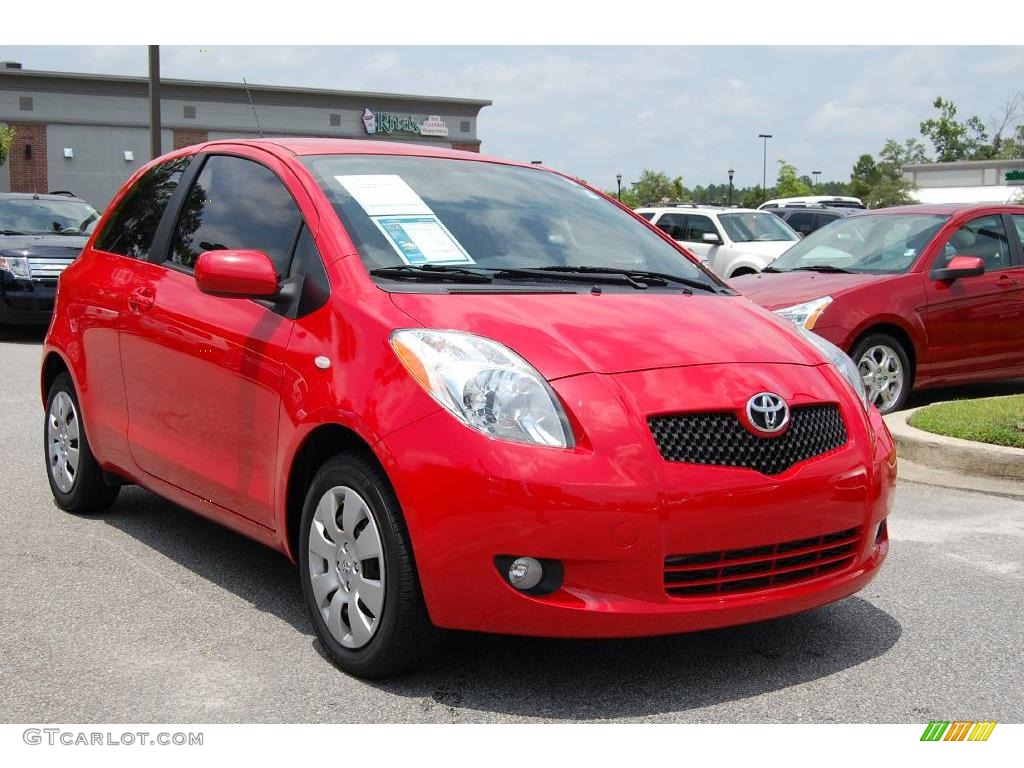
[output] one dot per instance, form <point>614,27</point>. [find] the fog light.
<point>525,573</point>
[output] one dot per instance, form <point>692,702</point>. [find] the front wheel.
<point>357,571</point>
<point>885,369</point>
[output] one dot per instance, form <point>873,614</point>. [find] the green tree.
<point>653,187</point>
<point>896,154</point>
<point>788,185</point>
<point>864,177</point>
<point>6,141</point>
<point>880,183</point>
<point>954,140</point>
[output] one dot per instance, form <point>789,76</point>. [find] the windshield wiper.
<point>431,273</point>
<point>13,232</point>
<point>643,277</point>
<point>822,268</point>
<point>771,269</point>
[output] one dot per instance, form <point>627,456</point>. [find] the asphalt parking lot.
<point>151,614</point>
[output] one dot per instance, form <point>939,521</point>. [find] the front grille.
<point>764,567</point>
<point>720,439</point>
<point>46,270</point>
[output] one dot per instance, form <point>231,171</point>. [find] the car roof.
<point>693,209</point>
<point>944,209</point>
<point>321,146</point>
<point>38,196</point>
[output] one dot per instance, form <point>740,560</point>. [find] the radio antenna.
<point>256,116</point>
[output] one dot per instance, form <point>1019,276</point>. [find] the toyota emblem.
<point>767,413</point>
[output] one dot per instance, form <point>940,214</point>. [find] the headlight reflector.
<point>16,265</point>
<point>842,363</point>
<point>485,385</point>
<point>805,315</point>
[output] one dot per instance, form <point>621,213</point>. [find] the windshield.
<point>32,216</point>
<point>436,213</point>
<point>753,227</point>
<point>882,244</point>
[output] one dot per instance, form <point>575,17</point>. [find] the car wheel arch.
<point>53,366</point>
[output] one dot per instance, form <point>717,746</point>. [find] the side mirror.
<point>240,274</point>
<point>710,237</point>
<point>960,266</point>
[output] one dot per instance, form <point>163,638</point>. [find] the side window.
<point>673,225</point>
<point>1018,224</point>
<point>647,214</point>
<point>236,204</point>
<point>696,226</point>
<point>824,219</point>
<point>984,237</point>
<point>129,230</point>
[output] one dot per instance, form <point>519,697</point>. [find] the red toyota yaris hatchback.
<point>460,393</point>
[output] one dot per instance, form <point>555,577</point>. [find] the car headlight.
<point>842,363</point>
<point>16,265</point>
<point>485,385</point>
<point>805,315</point>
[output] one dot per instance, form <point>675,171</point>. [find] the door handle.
<point>141,299</point>
<point>1005,281</point>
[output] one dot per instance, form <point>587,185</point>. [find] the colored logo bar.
<point>959,730</point>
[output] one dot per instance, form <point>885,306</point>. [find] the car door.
<point>696,227</point>
<point>973,323</point>
<point>203,373</point>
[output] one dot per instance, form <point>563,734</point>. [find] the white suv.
<point>731,241</point>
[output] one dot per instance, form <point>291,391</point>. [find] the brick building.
<point>87,133</point>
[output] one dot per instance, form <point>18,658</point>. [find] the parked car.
<point>920,296</point>
<point>459,393</point>
<point>805,219</point>
<point>832,201</point>
<point>731,241</point>
<point>39,236</point>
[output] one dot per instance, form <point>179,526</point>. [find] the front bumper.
<point>611,510</point>
<point>25,302</point>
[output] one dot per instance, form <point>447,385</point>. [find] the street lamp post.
<point>618,184</point>
<point>731,172</point>
<point>815,174</point>
<point>764,166</point>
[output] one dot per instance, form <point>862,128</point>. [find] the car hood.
<point>568,334</point>
<point>773,290</point>
<point>770,248</point>
<point>58,246</point>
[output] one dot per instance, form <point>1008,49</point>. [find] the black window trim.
<point>1013,235</point>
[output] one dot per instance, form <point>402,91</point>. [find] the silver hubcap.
<point>883,376</point>
<point>63,443</point>
<point>346,566</point>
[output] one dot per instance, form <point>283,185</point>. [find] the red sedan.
<point>919,296</point>
<point>460,393</point>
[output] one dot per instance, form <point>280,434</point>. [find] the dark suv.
<point>39,236</point>
<point>809,218</point>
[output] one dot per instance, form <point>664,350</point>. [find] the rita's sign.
<point>1015,177</point>
<point>388,122</point>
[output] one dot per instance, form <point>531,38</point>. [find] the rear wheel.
<point>885,369</point>
<point>76,479</point>
<point>357,571</point>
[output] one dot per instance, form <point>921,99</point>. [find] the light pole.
<point>618,184</point>
<point>764,166</point>
<point>154,101</point>
<point>815,174</point>
<point>731,172</point>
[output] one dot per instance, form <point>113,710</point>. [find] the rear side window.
<point>236,204</point>
<point>129,230</point>
<point>802,222</point>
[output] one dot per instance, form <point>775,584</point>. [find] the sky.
<point>594,111</point>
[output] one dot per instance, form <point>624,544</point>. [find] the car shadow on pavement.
<point>966,392</point>
<point>23,334</point>
<point>542,678</point>
<point>597,679</point>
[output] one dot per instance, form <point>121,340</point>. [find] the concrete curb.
<point>963,457</point>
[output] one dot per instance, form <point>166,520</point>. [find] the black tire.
<point>89,491</point>
<point>885,340</point>
<point>404,637</point>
